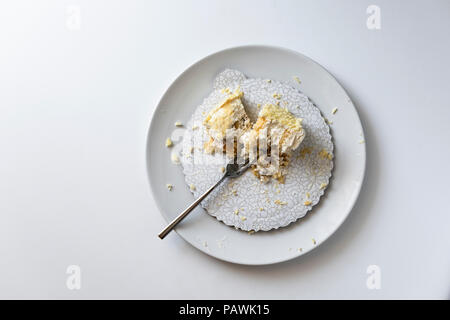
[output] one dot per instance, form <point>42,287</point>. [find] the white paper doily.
<point>245,202</point>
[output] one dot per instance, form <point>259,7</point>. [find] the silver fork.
<point>233,170</point>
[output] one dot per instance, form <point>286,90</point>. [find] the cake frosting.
<point>225,124</point>
<point>270,142</point>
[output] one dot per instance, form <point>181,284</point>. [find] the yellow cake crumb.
<point>269,81</point>
<point>243,218</point>
<point>314,241</point>
<point>194,127</point>
<point>276,96</point>
<point>192,187</point>
<point>324,154</point>
<point>300,249</point>
<point>323,185</point>
<point>261,209</point>
<point>222,169</point>
<point>307,203</point>
<point>305,151</point>
<point>236,211</point>
<point>178,124</point>
<point>251,232</point>
<point>279,202</point>
<point>297,79</point>
<point>361,141</point>
<point>169,143</point>
<point>175,159</point>
<point>308,195</point>
<point>334,110</point>
<point>169,186</point>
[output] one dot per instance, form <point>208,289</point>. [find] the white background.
<point>75,106</point>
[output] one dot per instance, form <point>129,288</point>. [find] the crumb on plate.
<point>175,159</point>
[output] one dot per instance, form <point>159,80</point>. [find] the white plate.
<point>215,238</point>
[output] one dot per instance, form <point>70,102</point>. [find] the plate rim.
<point>255,46</point>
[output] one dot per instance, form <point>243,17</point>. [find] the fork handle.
<point>182,215</point>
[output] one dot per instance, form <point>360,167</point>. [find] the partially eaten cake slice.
<point>225,124</point>
<point>270,142</point>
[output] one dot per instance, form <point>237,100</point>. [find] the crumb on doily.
<point>178,124</point>
<point>279,202</point>
<point>243,218</point>
<point>169,143</point>
<point>192,187</point>
<point>313,241</point>
<point>236,211</point>
<point>307,203</point>
<point>276,96</point>
<point>222,169</point>
<point>169,186</point>
<point>324,154</point>
<point>304,151</point>
<point>297,79</point>
<point>194,127</point>
<point>334,110</point>
<point>323,185</point>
